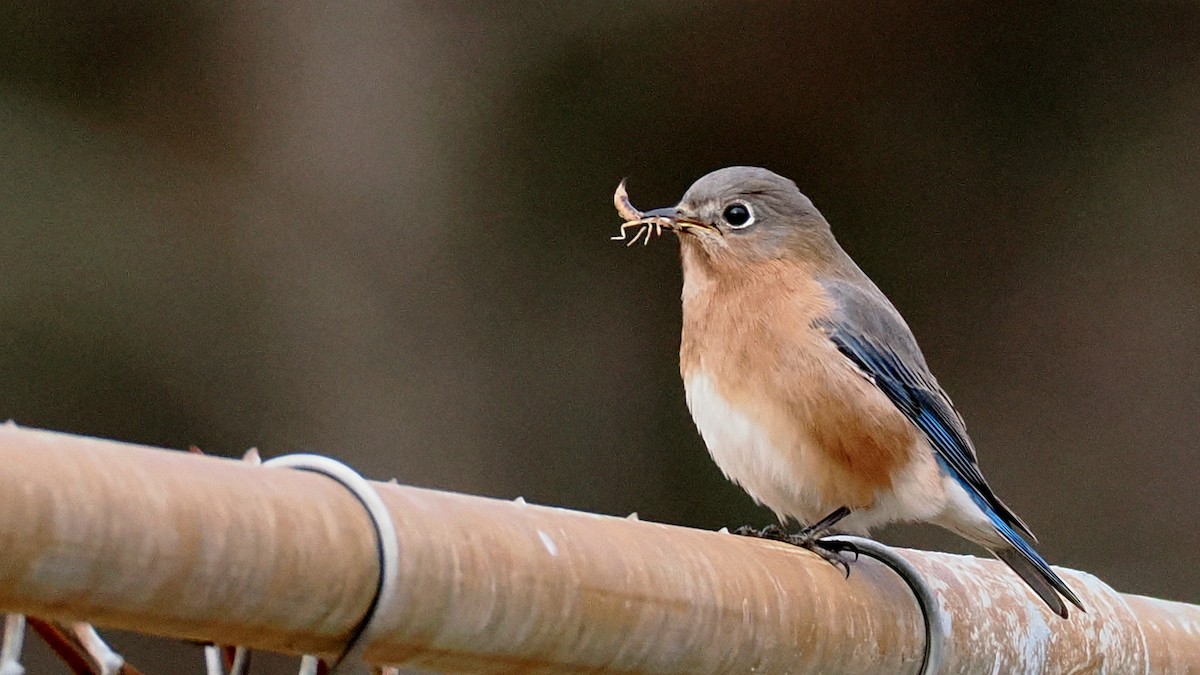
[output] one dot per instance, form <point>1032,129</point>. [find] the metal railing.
<point>186,546</point>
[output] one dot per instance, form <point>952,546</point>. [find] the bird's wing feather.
<point>871,334</point>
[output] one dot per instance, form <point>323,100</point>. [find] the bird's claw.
<point>832,551</point>
<point>773,532</point>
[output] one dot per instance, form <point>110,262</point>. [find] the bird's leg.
<point>831,552</point>
<point>822,526</point>
<point>809,538</point>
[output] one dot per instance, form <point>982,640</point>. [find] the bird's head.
<point>738,216</point>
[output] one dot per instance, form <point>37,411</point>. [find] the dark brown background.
<point>381,233</point>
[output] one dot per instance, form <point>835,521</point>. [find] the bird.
<point>808,387</point>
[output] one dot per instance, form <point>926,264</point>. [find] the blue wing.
<point>898,369</point>
<point>924,404</point>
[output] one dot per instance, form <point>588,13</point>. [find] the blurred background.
<point>380,232</point>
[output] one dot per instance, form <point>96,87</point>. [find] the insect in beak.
<point>650,223</point>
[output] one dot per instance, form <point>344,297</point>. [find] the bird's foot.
<point>773,532</point>
<point>836,553</point>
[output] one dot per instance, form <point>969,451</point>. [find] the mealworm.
<point>648,226</point>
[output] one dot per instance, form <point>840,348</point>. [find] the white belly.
<point>793,480</point>
<point>746,455</point>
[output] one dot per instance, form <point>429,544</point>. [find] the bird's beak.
<point>672,219</point>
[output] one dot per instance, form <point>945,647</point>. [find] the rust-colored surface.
<point>506,587</point>
<point>61,643</point>
<point>180,545</point>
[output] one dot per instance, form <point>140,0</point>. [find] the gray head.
<point>743,214</point>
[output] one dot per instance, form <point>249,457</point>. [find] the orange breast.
<point>753,338</point>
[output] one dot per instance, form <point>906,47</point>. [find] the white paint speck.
<point>548,543</point>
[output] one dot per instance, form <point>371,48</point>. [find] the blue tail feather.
<point>1029,565</point>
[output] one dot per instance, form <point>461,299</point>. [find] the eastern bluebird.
<point>807,385</point>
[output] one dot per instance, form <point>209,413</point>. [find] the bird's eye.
<point>738,215</point>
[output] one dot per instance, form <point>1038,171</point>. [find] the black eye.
<point>737,215</point>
